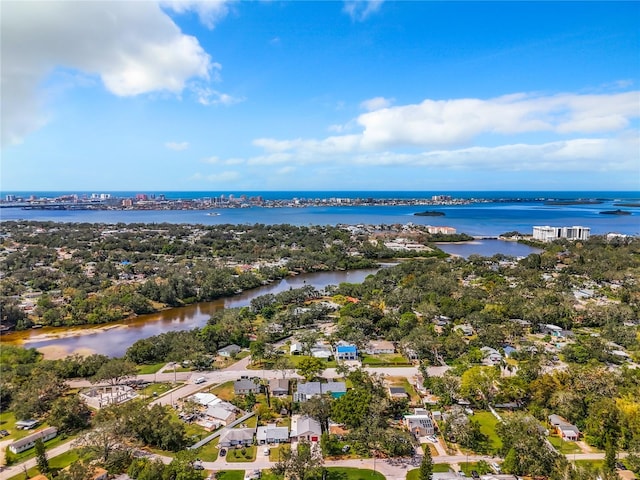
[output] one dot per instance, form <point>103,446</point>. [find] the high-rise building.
<point>549,234</point>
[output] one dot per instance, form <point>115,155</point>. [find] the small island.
<point>616,212</point>
<point>429,213</point>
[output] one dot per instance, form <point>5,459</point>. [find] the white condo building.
<point>549,234</point>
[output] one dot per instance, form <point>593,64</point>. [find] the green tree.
<point>41,457</point>
<point>524,448</point>
<point>426,466</point>
<point>319,408</point>
<point>115,371</point>
<point>310,368</point>
<point>69,413</point>
<point>299,464</point>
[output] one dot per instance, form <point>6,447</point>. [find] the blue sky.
<point>268,95</point>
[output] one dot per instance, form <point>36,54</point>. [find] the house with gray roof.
<point>306,428</point>
<point>231,437</point>
<point>420,423</point>
<point>308,390</point>
<point>245,386</point>
<point>272,434</point>
<point>566,430</point>
<point>229,351</point>
<point>279,387</point>
<point>29,441</point>
<point>220,414</point>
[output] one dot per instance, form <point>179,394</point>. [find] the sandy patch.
<point>70,333</point>
<point>53,352</point>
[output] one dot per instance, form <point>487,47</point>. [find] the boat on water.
<point>213,214</point>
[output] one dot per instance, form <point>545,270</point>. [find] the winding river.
<point>114,339</point>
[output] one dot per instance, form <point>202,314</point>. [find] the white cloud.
<point>435,123</point>
<point>359,10</point>
<point>576,155</point>
<point>209,11</point>
<point>376,103</point>
<point>208,96</point>
<point>133,47</point>
<point>177,146</point>
<point>453,123</point>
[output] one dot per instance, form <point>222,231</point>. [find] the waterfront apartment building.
<point>549,234</point>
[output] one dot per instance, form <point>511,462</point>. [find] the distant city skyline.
<point>320,96</point>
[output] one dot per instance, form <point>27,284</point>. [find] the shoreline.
<point>70,333</point>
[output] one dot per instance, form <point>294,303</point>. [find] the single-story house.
<point>420,423</point>
<point>279,387</point>
<point>272,434</point>
<point>466,329</point>
<point>231,437</point>
<point>29,441</point>
<point>398,392</point>
<point>380,347</point>
<point>549,329</point>
<point>309,390</point>
<point>205,399</point>
<point>566,430</point>
<point>229,351</point>
<point>321,350</point>
<point>246,385</point>
<point>347,352</point>
<point>220,414</point>
<point>305,428</point>
<point>295,348</point>
<point>491,356</point>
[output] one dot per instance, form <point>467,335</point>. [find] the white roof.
<point>218,412</point>
<point>205,398</point>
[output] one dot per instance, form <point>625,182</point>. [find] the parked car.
<point>474,474</point>
<point>223,452</point>
<point>346,448</point>
<point>3,433</point>
<point>496,468</point>
<point>266,452</point>
<point>619,465</point>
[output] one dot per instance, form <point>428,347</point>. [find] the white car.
<point>496,467</point>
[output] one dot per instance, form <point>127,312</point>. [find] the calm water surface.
<point>483,219</point>
<point>488,248</point>
<point>117,337</point>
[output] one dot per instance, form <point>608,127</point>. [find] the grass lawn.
<point>231,475</point>
<point>235,454</point>
<point>224,391</point>
<point>591,464</point>
<point>159,388</point>
<point>210,451</point>
<point>153,368</point>
<point>275,452</point>
<point>488,426</point>
<point>437,468</point>
<point>432,448</point>
<point>478,467</point>
<point>55,463</point>
<point>385,360</point>
<point>296,359</point>
<point>403,382</point>
<point>563,446</point>
<point>344,473</point>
